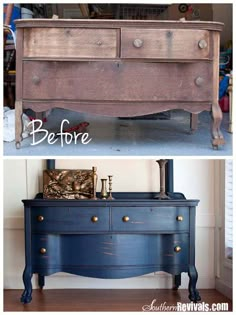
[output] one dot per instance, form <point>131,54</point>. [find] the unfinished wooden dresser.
<point>118,67</point>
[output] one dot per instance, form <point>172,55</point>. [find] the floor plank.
<point>107,300</point>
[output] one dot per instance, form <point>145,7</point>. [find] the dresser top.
<point>206,25</point>
<point>121,199</point>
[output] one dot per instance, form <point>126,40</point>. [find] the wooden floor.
<point>105,300</point>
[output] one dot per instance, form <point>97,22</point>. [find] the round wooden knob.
<point>138,43</point>
<point>43,250</point>
<point>36,80</point>
<point>94,219</point>
<point>99,42</point>
<point>202,44</point>
<point>125,219</point>
<point>179,218</point>
<point>199,81</point>
<point>177,249</point>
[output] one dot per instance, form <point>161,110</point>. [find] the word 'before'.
<point>51,137</point>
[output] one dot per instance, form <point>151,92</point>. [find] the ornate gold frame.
<point>69,184</point>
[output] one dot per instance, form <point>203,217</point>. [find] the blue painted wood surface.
<point>110,247</point>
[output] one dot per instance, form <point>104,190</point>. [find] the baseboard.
<point>224,288</point>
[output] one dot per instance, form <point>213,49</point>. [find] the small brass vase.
<point>104,193</point>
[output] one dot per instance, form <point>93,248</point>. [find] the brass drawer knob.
<point>43,250</point>
<point>199,81</point>
<point>125,219</point>
<point>179,218</point>
<point>40,218</point>
<point>94,219</point>
<point>177,249</point>
<point>202,44</point>
<point>138,43</point>
<point>36,80</point>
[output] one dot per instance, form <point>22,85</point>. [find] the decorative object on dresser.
<point>127,68</point>
<point>142,235</point>
<point>69,184</point>
<point>110,187</point>
<point>162,194</point>
<point>104,193</point>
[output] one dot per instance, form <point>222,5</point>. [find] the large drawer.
<point>70,219</point>
<point>165,43</point>
<point>108,256</point>
<point>117,81</point>
<point>165,219</point>
<point>70,43</point>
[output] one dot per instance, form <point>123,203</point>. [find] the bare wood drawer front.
<point>106,81</point>
<point>165,43</point>
<point>70,43</point>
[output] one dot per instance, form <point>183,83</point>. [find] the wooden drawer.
<point>113,81</point>
<point>71,219</point>
<point>70,43</point>
<point>108,256</point>
<point>169,219</point>
<point>165,43</point>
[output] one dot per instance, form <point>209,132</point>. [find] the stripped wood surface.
<point>165,43</point>
<point>117,81</point>
<point>55,42</point>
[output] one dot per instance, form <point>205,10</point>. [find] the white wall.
<point>195,178</point>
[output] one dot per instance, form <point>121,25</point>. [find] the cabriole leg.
<point>217,136</point>
<point>193,293</point>
<point>27,293</point>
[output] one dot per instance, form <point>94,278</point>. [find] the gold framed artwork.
<point>69,184</point>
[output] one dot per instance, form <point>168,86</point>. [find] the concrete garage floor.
<point>122,137</point>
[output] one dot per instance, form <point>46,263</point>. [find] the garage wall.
<point>195,178</point>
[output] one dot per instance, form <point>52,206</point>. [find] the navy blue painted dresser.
<point>134,234</point>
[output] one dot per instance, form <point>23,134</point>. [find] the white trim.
<point>13,223</point>
<point>224,288</point>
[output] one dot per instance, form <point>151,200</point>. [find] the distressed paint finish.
<point>62,237</point>
<point>118,68</point>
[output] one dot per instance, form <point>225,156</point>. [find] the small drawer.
<point>169,219</point>
<point>69,219</point>
<point>70,43</point>
<point>165,44</point>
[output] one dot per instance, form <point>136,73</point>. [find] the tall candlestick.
<point>162,194</point>
<point>110,187</point>
<point>95,179</point>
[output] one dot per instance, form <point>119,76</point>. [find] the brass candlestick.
<point>95,180</point>
<point>104,188</point>
<point>162,194</point>
<point>110,187</point>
